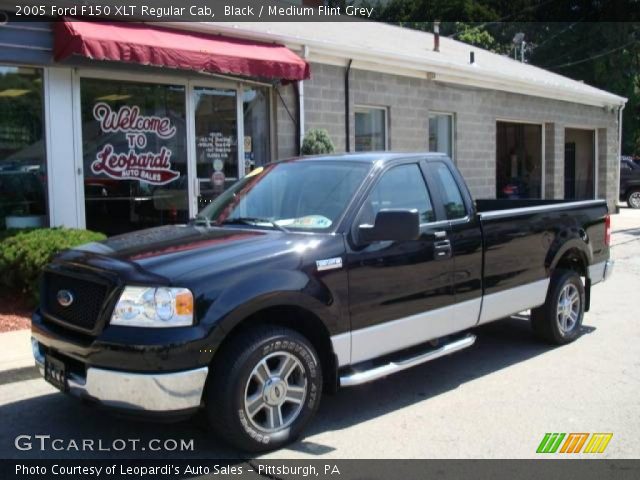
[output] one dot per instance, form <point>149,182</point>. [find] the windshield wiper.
<point>252,221</point>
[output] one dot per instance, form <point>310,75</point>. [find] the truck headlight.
<point>154,307</point>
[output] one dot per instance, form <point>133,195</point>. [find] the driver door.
<point>400,291</point>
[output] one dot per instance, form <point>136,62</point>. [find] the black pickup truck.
<point>308,275</point>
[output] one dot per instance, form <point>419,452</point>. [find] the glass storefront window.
<point>441,133</point>
<point>23,184</point>
<point>371,129</point>
<point>216,114</point>
<point>135,155</point>
<point>257,145</point>
<point>518,160</point>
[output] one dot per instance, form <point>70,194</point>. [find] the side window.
<point>401,187</point>
<point>451,196</point>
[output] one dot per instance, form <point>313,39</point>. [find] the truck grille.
<point>84,310</point>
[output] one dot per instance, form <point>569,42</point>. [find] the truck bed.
<point>521,239</point>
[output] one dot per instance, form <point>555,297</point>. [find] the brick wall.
<point>409,101</point>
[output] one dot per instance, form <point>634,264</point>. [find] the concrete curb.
<point>15,350</point>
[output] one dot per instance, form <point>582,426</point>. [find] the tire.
<point>553,322</point>
<point>277,406</point>
<point>633,198</point>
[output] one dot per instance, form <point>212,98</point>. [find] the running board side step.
<point>358,378</point>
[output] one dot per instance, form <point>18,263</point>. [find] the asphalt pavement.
<point>494,400</point>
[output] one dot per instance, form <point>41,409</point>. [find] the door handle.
<point>440,234</point>
<point>442,249</point>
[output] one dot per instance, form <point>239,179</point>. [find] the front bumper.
<point>144,392</point>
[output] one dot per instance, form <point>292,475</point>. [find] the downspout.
<point>347,112</point>
<point>617,199</point>
<point>301,113</point>
<point>298,121</point>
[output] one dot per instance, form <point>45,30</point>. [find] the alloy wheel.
<point>568,310</point>
<point>275,392</point>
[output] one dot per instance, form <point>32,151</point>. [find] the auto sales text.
<point>170,469</point>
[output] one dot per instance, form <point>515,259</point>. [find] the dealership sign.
<point>136,163</point>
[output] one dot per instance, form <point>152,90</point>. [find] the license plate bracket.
<point>55,372</point>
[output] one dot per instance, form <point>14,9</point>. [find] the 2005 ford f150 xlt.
<point>307,275</point>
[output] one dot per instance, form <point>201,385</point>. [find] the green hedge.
<point>24,253</point>
<point>4,234</point>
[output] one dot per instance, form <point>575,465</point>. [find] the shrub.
<point>10,232</point>
<point>316,142</point>
<point>25,253</point>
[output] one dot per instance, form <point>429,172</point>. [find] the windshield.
<point>303,196</point>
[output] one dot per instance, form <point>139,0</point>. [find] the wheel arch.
<point>572,258</point>
<point>575,256</point>
<point>287,310</point>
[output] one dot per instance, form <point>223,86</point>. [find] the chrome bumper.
<point>148,392</point>
<point>601,271</point>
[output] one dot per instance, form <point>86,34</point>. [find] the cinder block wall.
<point>286,108</point>
<point>409,101</point>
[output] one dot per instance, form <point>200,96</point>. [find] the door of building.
<point>232,136</point>
<point>215,142</point>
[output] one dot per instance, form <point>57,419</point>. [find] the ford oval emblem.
<point>65,298</point>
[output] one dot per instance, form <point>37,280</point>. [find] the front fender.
<point>269,289</point>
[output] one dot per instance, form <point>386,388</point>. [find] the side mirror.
<point>393,225</point>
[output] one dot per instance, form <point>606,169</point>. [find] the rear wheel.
<point>633,198</point>
<point>265,387</point>
<point>558,321</point>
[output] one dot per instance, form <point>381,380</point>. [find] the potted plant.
<point>317,142</point>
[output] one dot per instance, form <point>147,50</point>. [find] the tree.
<point>477,36</point>
<point>568,37</point>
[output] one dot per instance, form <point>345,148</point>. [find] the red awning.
<point>162,47</point>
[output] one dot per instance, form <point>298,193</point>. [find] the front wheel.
<point>265,387</point>
<point>633,198</point>
<point>558,321</point>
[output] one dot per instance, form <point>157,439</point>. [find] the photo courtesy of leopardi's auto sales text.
<point>336,239</point>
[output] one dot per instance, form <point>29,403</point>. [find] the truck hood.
<point>170,253</point>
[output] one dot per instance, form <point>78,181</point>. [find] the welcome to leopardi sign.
<point>136,163</point>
